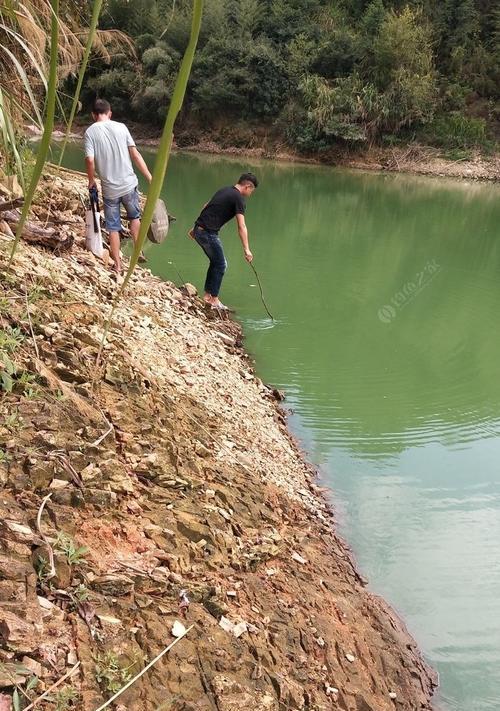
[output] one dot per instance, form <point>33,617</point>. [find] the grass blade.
<point>48,125</point>
<point>9,136</point>
<point>25,81</point>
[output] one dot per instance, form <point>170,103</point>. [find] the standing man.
<point>110,149</point>
<point>227,203</point>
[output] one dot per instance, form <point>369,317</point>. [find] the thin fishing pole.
<point>262,292</point>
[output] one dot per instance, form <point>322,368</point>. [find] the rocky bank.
<point>176,496</point>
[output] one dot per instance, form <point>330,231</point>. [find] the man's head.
<point>101,109</point>
<point>247,184</point>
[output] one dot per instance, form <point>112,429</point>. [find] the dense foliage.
<point>315,72</point>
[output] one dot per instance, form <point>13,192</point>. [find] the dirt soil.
<point>413,158</point>
<point>176,495</point>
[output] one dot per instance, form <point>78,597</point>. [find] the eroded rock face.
<point>193,504</point>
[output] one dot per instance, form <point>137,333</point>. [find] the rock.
<point>331,690</point>
<point>12,569</point>
<point>5,703</point>
<point>34,666</point>
<point>393,695</point>
<point>298,558</point>
<point>113,584</point>
<point>239,629</point>
<point>226,624</point>
<point>189,289</point>
<point>17,531</point>
<point>350,657</point>
<point>108,620</point>
<point>178,629</point>
<point>5,229</point>
<point>192,529</point>
<point>58,484</point>
<point>10,674</point>
<point>17,634</point>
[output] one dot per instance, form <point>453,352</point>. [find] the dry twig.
<point>30,323</point>
<point>54,686</point>
<point>52,571</point>
<point>146,668</point>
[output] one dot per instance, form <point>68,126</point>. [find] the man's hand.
<point>248,255</point>
<point>140,162</point>
<point>90,167</point>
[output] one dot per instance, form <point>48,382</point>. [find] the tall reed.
<point>163,155</point>
<point>96,11</point>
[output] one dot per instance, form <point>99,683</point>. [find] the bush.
<point>454,130</point>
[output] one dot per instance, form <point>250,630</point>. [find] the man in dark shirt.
<point>227,203</point>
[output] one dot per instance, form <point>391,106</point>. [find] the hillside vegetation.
<point>314,73</point>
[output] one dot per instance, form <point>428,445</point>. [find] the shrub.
<point>454,130</point>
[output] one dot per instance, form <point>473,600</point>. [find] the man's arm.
<point>90,166</point>
<point>243,233</point>
<point>139,162</point>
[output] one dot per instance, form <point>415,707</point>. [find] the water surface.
<point>386,291</point>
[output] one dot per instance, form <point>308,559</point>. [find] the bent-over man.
<point>110,149</point>
<point>227,203</point>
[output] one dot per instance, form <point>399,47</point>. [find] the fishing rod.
<point>261,292</point>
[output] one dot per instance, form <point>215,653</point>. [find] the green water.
<point>386,291</point>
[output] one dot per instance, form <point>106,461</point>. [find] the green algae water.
<point>386,293</point>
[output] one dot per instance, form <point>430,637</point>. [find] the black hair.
<point>101,106</point>
<point>248,178</point>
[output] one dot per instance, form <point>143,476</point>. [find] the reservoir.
<point>386,294</point>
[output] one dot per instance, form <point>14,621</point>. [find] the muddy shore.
<point>177,496</point>
<point>413,159</point>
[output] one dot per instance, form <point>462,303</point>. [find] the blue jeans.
<point>212,246</point>
<point>130,201</point>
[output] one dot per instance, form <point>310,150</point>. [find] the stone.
<point>17,634</point>
<point>226,624</point>
<point>18,532</point>
<point>10,674</point>
<point>190,289</point>
<point>239,629</point>
<point>109,620</point>
<point>350,657</point>
<point>298,558</point>
<point>34,666</point>
<point>113,584</point>
<point>5,703</point>
<point>178,629</point>
<point>58,484</point>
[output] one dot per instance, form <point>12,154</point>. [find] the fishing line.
<point>261,292</point>
<point>172,263</point>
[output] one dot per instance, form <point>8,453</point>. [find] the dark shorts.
<point>130,202</point>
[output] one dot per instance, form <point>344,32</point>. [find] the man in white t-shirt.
<point>110,149</point>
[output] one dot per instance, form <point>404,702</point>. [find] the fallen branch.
<point>138,676</point>
<point>52,571</point>
<point>46,236</point>
<point>30,323</point>
<point>9,204</point>
<point>61,457</point>
<point>102,437</point>
<point>51,688</point>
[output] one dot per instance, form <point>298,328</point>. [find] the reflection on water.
<point>386,291</point>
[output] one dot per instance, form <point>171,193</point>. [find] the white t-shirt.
<point>107,142</point>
